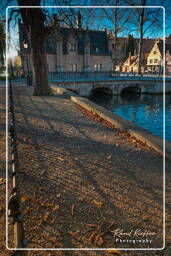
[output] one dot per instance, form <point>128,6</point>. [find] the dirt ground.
<point>83,184</point>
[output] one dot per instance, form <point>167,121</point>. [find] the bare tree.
<point>147,19</point>
<point>39,24</point>
<point>118,20</point>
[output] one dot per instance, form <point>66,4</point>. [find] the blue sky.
<point>101,23</point>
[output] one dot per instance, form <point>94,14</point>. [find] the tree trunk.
<point>115,36</point>
<point>141,38</point>
<point>34,20</point>
<point>39,60</point>
<point>140,44</point>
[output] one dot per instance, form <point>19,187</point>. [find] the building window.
<point>73,67</point>
<point>156,61</point>
<point>72,47</point>
<point>97,50</point>
<point>98,67</point>
<point>154,52</point>
<point>151,61</point>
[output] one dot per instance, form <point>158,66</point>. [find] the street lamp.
<point>26,47</point>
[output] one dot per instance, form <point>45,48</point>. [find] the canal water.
<point>144,110</point>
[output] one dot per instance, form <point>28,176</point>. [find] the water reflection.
<point>144,110</point>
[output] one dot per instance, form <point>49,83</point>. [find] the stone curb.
<point>139,133</point>
<point>62,91</point>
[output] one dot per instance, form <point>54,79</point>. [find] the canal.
<point>144,110</point>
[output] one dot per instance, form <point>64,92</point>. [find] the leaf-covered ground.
<point>81,180</point>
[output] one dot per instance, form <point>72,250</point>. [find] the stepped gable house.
<point>130,63</point>
<point>71,50</point>
<point>155,58</point>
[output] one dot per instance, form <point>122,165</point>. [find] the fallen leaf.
<point>74,234</point>
<point>97,203</point>
<point>109,156</point>
<point>25,211</point>
<point>55,208</point>
<point>45,218</point>
<point>99,241</point>
<point>72,164</point>
<point>59,253</point>
<point>114,251</point>
<point>61,159</point>
<point>40,188</point>
<point>92,225</point>
<point>24,199</point>
<point>58,195</point>
<point>72,209</point>
<point>48,204</point>
<point>58,244</point>
<point>2,181</point>
<point>53,220</point>
<point>42,173</point>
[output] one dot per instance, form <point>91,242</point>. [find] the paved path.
<point>75,172</point>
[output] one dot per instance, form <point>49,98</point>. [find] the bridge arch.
<point>101,90</point>
<point>131,89</point>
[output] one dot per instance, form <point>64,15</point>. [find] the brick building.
<point>71,50</point>
<point>78,50</point>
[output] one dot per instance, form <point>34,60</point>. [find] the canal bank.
<point>139,133</point>
<point>144,110</point>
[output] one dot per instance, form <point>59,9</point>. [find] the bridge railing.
<point>97,76</point>
<point>79,76</point>
<point>86,76</point>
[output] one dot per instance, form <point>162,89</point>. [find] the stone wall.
<point>104,60</point>
<point>51,61</point>
<point>74,58</point>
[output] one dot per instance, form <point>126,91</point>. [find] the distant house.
<point>71,50</point>
<point>152,57</point>
<point>155,58</point>
<point>130,64</point>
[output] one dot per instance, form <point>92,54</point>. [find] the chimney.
<point>79,25</point>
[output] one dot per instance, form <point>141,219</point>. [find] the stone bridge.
<point>116,87</point>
